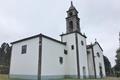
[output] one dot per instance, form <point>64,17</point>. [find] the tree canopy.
<point>5,54</point>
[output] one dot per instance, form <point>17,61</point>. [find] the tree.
<point>108,68</point>
<point>117,66</point>
<point>5,55</point>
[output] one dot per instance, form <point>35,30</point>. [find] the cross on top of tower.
<point>71,7</point>
<point>71,3</point>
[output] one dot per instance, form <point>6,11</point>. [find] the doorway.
<point>84,72</point>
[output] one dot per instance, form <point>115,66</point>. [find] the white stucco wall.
<point>51,51</point>
<point>90,63</point>
<point>82,55</point>
<point>99,60</point>
<point>71,59</point>
<point>25,64</point>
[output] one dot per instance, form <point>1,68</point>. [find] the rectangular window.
<point>61,60</point>
<point>98,54</point>
<point>72,47</point>
<point>82,43</point>
<point>65,52</point>
<point>24,49</point>
<point>88,52</point>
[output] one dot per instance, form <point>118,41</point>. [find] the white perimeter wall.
<point>99,60</point>
<point>25,64</point>
<point>82,55</point>
<point>71,59</point>
<point>51,51</point>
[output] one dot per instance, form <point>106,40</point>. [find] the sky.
<point>99,19</point>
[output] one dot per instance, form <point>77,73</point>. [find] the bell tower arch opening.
<point>71,26</point>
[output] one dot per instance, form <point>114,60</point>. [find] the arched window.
<point>98,54</point>
<point>71,25</point>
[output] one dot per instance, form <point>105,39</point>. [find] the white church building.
<point>41,57</point>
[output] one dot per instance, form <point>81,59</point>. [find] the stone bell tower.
<point>72,20</point>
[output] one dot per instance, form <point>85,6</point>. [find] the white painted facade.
<point>82,56</point>
<point>99,60</point>
<point>95,52</point>
<point>25,64</point>
<point>51,51</point>
<point>70,58</point>
<point>90,63</point>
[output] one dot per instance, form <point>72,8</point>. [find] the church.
<point>41,57</point>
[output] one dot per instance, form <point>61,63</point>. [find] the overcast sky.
<point>99,19</point>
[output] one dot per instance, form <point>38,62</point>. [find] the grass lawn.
<point>5,77</point>
<point>110,78</point>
